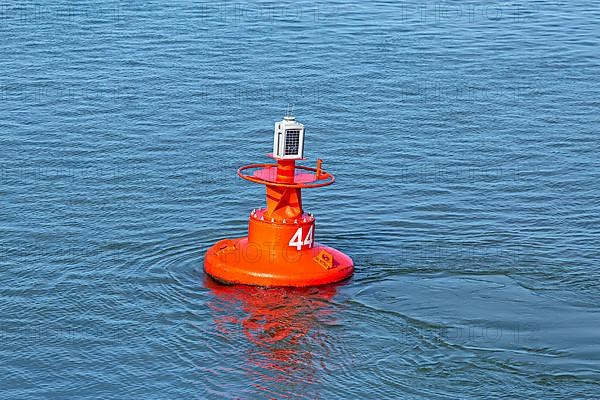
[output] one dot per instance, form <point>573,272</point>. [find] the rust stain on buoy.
<point>280,249</point>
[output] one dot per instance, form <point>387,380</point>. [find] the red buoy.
<point>280,249</point>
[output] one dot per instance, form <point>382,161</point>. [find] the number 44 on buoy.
<point>280,249</point>
<point>297,239</point>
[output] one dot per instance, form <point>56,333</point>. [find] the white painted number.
<point>309,237</point>
<point>296,240</point>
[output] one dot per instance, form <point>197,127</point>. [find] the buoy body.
<point>266,258</point>
<point>280,249</point>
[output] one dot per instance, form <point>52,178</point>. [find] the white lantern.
<point>288,139</point>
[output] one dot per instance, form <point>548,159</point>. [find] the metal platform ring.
<point>302,185</point>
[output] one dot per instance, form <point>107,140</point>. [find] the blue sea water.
<point>464,140</point>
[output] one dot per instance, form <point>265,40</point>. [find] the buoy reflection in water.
<point>281,327</point>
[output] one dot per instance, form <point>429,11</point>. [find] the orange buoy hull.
<point>277,253</point>
<point>231,266</point>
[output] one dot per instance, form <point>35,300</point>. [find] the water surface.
<point>464,140</point>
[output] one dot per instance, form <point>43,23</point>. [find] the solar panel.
<point>292,142</point>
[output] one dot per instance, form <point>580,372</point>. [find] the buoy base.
<point>238,261</point>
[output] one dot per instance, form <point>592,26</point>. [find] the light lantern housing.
<point>288,139</point>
